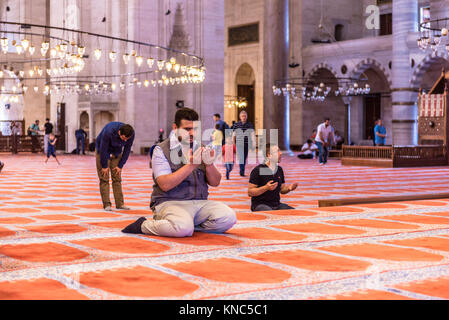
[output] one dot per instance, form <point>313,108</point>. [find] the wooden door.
<point>247,92</point>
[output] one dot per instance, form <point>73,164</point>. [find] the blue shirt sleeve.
<point>104,150</point>
<point>126,152</point>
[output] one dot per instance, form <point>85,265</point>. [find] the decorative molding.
<point>243,34</point>
<point>404,121</point>
<point>368,63</point>
<point>405,103</point>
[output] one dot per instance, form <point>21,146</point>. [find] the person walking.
<point>113,147</point>
<point>51,148</point>
<point>48,130</point>
<point>324,139</point>
<point>243,139</point>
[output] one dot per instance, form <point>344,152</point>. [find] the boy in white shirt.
<point>308,150</point>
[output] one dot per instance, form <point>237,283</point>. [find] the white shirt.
<point>159,162</point>
<point>312,148</point>
<point>325,132</point>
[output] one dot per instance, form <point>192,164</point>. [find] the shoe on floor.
<point>135,227</point>
<point>108,208</point>
<point>123,208</point>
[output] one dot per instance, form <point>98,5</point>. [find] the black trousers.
<point>35,146</point>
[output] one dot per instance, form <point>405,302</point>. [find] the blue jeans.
<point>243,157</point>
<point>78,141</point>
<point>229,167</point>
<point>264,207</point>
<point>323,152</point>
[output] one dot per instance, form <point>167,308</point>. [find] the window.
<point>339,32</point>
<point>386,24</point>
<point>424,14</point>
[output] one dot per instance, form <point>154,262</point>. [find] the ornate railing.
<point>366,152</point>
<point>396,156</point>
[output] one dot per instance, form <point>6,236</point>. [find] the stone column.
<point>405,20</point>
<point>276,59</point>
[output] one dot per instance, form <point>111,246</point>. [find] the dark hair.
<point>309,141</point>
<point>185,114</point>
<point>47,119</point>
<point>327,119</point>
<point>217,115</point>
<point>126,130</point>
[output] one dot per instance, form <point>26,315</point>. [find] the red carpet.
<point>57,243</point>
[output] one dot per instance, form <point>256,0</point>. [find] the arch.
<point>424,65</point>
<point>245,85</point>
<point>101,119</point>
<point>84,120</point>
<point>322,66</point>
<point>245,74</point>
<point>369,63</point>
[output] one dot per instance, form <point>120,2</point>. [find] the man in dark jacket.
<point>182,171</point>
<point>113,147</point>
<point>81,137</point>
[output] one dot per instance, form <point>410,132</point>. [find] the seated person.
<point>339,140</point>
<point>308,150</point>
<point>1,166</point>
<point>267,182</point>
<point>182,171</point>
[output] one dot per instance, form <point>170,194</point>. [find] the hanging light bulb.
<point>172,60</point>
<point>19,49</point>
<point>113,56</point>
<point>87,87</point>
<point>53,52</point>
<point>31,49</point>
<point>126,58</point>
<point>36,89</point>
<point>160,64</point>
<point>139,60</point>
<point>31,72</point>
<point>168,66</point>
<point>63,47</point>
<point>113,86</point>
<point>97,54</point>
<point>177,67</point>
<point>21,73</point>
<point>4,42</point>
<point>146,83</point>
<point>25,44</point>
<point>81,50</point>
<point>150,62</point>
<point>45,45</point>
<point>25,89</point>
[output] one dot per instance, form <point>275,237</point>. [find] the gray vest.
<point>194,187</point>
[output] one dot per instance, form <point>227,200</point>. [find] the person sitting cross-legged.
<point>267,183</point>
<point>180,191</point>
